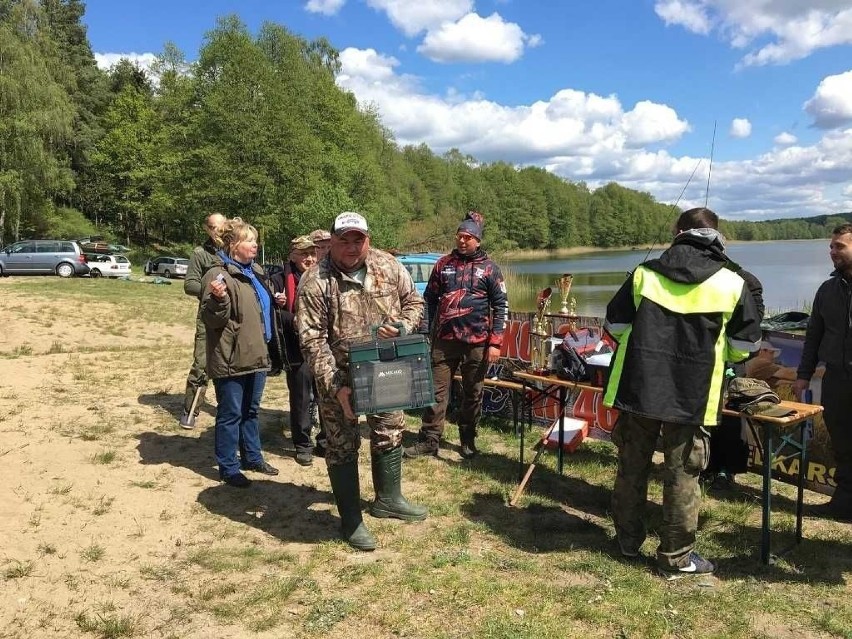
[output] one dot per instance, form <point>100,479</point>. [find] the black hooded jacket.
<point>829,335</point>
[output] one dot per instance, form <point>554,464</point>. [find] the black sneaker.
<point>237,481</point>
<point>262,467</point>
<point>319,450</point>
<point>421,449</point>
<point>304,459</point>
<point>696,565</point>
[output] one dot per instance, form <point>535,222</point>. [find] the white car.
<point>108,265</point>
<point>167,266</point>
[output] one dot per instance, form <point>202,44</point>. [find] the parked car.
<point>167,266</point>
<point>30,257</point>
<point>419,266</point>
<point>109,266</point>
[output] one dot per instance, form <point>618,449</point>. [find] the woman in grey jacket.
<point>236,307</point>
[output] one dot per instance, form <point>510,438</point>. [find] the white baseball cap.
<point>349,221</point>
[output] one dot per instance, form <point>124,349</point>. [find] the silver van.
<point>30,257</point>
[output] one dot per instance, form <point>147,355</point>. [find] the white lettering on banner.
<point>397,371</point>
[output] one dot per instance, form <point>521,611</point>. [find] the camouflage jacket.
<point>335,310</point>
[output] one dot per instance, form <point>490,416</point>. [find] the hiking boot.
<point>422,449</point>
<point>237,481</point>
<point>696,565</point>
<point>468,449</point>
<point>304,458</point>
<point>187,421</point>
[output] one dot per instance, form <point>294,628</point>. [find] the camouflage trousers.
<point>686,450</point>
<point>343,436</point>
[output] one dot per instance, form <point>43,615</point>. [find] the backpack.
<point>569,364</point>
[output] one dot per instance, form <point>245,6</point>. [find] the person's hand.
<point>280,299</point>
<point>800,386</point>
<point>218,288</point>
<point>344,396</point>
<point>493,354</point>
<point>387,330</point>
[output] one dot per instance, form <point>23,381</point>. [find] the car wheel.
<point>94,273</point>
<point>167,274</point>
<point>65,270</point>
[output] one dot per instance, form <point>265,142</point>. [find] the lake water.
<point>791,271</point>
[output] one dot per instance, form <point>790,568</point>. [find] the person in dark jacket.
<point>466,311</point>
<point>677,320</point>
<point>203,257</point>
<point>236,307</point>
<point>300,380</point>
<point>829,339</point>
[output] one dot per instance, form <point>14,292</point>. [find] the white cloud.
<point>740,128</point>
<point>476,39</point>
<point>584,136</point>
<point>690,15</point>
<point>786,30</point>
<point>785,139</point>
<point>142,60</point>
<point>413,16</point>
<point>831,105</point>
<point>325,7</point>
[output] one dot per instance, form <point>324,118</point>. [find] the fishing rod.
<point>674,206</point>
<point>710,170</point>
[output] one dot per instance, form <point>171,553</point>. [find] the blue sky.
<point>593,90</point>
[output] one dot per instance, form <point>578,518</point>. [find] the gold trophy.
<point>564,284</point>
<point>540,334</point>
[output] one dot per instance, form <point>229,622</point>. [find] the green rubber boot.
<point>387,479</point>
<point>347,494</point>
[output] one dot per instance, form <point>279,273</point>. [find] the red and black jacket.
<point>466,299</point>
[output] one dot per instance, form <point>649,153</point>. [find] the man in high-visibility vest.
<point>677,320</point>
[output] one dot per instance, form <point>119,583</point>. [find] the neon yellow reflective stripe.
<point>717,294</point>
<point>617,368</point>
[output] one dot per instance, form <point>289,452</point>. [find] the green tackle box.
<point>390,374</point>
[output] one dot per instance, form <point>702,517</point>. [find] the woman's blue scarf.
<point>259,290</point>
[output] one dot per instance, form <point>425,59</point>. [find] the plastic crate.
<point>390,374</point>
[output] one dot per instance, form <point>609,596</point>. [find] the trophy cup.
<point>540,334</point>
<point>564,284</point>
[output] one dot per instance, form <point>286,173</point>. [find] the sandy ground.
<point>98,484</point>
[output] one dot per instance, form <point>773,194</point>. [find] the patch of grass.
<point>96,432</point>
<point>144,484</point>
<point>104,457</point>
<point>56,347</point>
<point>237,559</point>
<point>45,548</point>
<point>92,553</point>
<point>19,351</point>
<point>103,506</point>
<point>63,489</point>
<point>18,570</point>
<point>107,625</point>
<point>163,572</point>
<point>327,613</point>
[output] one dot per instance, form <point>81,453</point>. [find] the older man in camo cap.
<point>322,240</point>
<point>300,380</point>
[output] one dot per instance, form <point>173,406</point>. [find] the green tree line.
<point>257,127</point>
